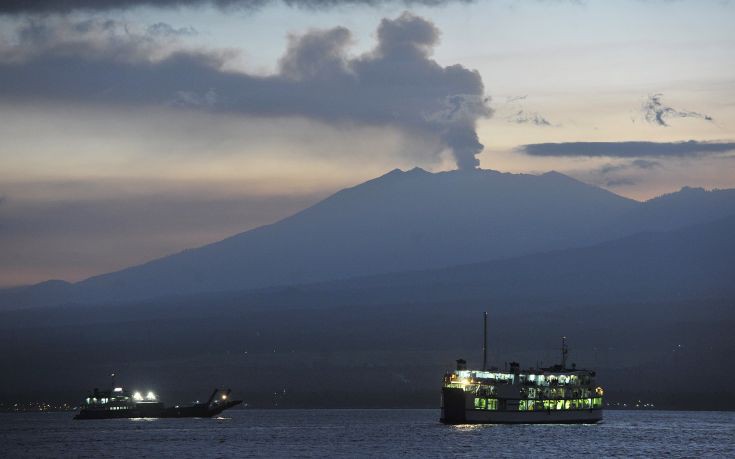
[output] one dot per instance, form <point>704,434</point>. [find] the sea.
<point>365,433</point>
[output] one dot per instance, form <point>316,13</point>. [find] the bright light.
<point>150,396</point>
<point>137,397</point>
<point>118,389</point>
<point>224,396</point>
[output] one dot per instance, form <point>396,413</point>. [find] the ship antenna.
<point>484,344</point>
<point>564,352</point>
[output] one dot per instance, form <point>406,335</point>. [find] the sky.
<point>135,129</point>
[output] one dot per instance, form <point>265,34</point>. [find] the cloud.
<point>512,99</point>
<point>93,39</point>
<point>645,164</point>
<point>161,29</point>
<point>624,181</point>
<point>524,117</point>
<point>656,112</point>
<point>635,164</point>
<point>690,148</point>
<point>514,111</point>
<point>623,174</point>
<point>67,6</point>
<point>396,84</point>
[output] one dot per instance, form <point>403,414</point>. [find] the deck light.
<point>137,397</point>
<point>150,396</point>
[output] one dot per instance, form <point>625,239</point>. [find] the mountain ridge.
<point>399,221</point>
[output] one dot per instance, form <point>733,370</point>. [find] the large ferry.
<point>121,403</point>
<point>550,395</point>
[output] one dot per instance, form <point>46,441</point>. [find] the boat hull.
<point>458,408</point>
<point>157,410</point>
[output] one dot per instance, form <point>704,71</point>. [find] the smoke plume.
<point>397,84</point>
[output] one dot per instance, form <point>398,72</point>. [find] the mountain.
<point>637,310</point>
<point>690,263</point>
<point>688,206</point>
<point>402,221</point>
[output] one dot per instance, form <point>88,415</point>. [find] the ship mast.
<point>484,344</point>
<point>564,352</point>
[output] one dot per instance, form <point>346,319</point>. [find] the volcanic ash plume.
<point>396,84</point>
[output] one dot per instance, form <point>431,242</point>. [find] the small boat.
<point>121,403</point>
<point>553,395</point>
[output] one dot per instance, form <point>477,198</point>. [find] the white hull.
<point>458,407</point>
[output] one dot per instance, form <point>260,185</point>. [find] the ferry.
<point>121,403</point>
<point>553,395</point>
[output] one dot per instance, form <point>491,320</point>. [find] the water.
<point>365,433</point>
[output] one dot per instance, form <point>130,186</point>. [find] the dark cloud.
<point>524,117</point>
<point>623,174</point>
<point>656,112</point>
<point>624,181</point>
<point>516,112</point>
<point>635,164</point>
<point>161,29</point>
<point>397,84</point>
<point>690,148</point>
<point>93,39</point>
<point>645,164</point>
<point>67,6</point>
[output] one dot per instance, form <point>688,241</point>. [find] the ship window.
<point>528,405</point>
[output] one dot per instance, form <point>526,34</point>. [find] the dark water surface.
<point>365,433</point>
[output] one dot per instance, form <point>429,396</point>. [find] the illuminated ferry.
<point>121,403</point>
<point>533,396</point>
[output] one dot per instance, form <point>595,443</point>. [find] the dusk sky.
<point>131,131</point>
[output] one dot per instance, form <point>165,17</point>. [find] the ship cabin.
<point>119,399</point>
<point>554,388</point>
